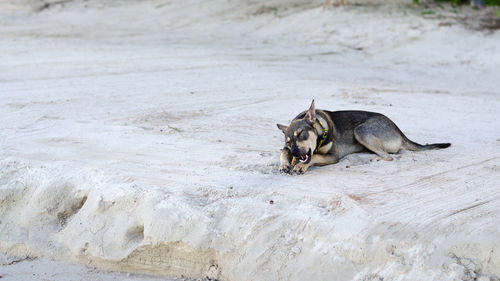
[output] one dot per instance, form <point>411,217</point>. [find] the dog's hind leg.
<point>379,135</point>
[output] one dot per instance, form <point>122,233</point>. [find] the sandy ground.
<point>141,137</point>
<point>47,270</point>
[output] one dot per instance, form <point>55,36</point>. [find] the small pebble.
<point>271,202</point>
<point>348,166</point>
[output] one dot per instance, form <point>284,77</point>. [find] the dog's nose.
<point>294,150</point>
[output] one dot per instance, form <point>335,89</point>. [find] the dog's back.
<point>347,120</point>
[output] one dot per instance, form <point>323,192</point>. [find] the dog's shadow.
<point>350,160</point>
<point>357,159</point>
<point>270,164</point>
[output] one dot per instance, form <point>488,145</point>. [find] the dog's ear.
<point>282,127</point>
<point>311,114</point>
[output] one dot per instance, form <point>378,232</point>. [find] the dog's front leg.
<point>316,159</point>
<point>285,159</point>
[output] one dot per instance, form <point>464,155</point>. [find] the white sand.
<point>141,137</point>
<point>46,270</point>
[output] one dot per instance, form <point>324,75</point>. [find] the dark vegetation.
<point>486,17</point>
<point>462,2</point>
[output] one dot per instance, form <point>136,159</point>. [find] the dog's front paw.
<point>285,168</point>
<point>300,168</point>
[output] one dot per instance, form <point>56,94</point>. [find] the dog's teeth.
<point>304,158</point>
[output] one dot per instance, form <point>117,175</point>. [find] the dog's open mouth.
<point>306,157</point>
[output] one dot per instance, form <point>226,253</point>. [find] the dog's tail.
<point>411,145</point>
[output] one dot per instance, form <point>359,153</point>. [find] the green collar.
<point>323,137</point>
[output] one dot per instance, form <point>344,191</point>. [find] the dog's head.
<point>301,136</point>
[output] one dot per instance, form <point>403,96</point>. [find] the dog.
<point>333,2</point>
<point>321,137</point>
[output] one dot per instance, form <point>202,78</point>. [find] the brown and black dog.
<point>321,137</point>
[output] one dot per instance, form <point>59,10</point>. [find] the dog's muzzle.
<point>303,157</point>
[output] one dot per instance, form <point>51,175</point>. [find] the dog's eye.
<point>301,135</point>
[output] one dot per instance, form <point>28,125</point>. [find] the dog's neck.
<point>322,131</point>
<point>321,126</point>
